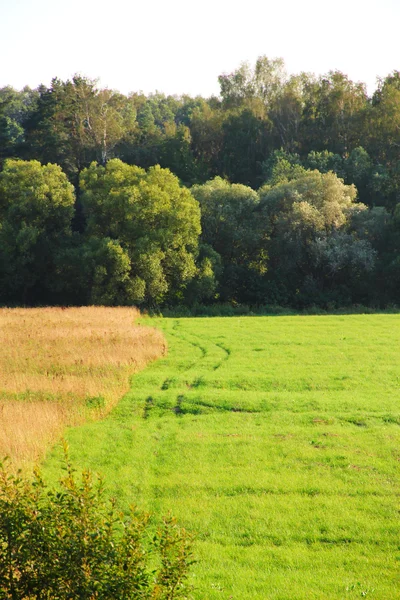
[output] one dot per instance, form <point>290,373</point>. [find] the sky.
<point>181,46</point>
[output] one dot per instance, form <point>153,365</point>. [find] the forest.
<point>282,191</point>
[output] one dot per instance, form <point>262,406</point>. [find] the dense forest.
<point>284,190</point>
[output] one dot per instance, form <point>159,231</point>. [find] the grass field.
<point>277,441</point>
<point>60,366</point>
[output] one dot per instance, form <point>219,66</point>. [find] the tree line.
<point>284,190</point>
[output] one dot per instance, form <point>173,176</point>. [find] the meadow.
<point>276,440</point>
<point>61,367</point>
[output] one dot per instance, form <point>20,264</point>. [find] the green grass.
<point>277,441</point>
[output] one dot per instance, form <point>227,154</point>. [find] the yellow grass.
<point>58,366</point>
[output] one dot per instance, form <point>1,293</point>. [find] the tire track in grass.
<point>167,383</point>
<point>189,382</point>
<point>203,352</point>
<point>207,349</point>
<point>189,376</point>
<point>227,355</point>
<point>226,351</point>
<point>182,381</point>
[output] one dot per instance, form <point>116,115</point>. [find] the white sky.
<point>181,46</point>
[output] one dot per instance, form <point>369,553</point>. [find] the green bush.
<point>74,543</point>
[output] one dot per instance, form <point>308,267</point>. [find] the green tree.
<point>263,111</point>
<point>15,108</point>
<point>333,112</point>
<point>155,221</point>
<point>359,169</point>
<point>383,120</point>
<point>206,121</point>
<point>161,136</point>
<point>314,255</point>
<point>204,285</point>
<point>281,167</point>
<point>36,209</point>
<point>286,111</point>
<point>381,139</point>
<point>76,123</point>
<point>263,82</point>
<point>95,271</point>
<point>356,167</point>
<point>232,227</point>
<point>176,154</point>
<point>325,161</point>
<point>245,145</point>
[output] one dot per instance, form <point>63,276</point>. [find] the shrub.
<point>74,543</point>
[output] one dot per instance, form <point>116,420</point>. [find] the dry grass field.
<point>61,366</point>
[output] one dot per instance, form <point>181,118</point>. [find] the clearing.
<point>276,440</point>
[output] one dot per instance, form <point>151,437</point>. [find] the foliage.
<point>263,82</point>
<point>15,109</point>
<point>75,123</point>
<point>36,209</point>
<point>311,251</point>
<point>74,543</point>
<point>282,167</point>
<point>267,128</point>
<point>155,221</point>
<point>204,285</point>
<point>333,112</point>
<point>324,193</point>
<point>244,139</point>
<point>231,226</point>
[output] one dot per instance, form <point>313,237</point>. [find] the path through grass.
<point>277,440</point>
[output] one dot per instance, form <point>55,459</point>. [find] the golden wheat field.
<point>59,366</point>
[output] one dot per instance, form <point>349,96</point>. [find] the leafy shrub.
<point>74,543</point>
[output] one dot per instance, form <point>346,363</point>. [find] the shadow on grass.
<point>268,310</point>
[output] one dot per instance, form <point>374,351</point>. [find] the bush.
<point>74,543</point>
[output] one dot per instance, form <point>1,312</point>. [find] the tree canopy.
<point>294,178</point>
<point>36,210</point>
<point>152,217</point>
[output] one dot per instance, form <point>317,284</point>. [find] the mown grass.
<point>62,366</point>
<point>277,441</point>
